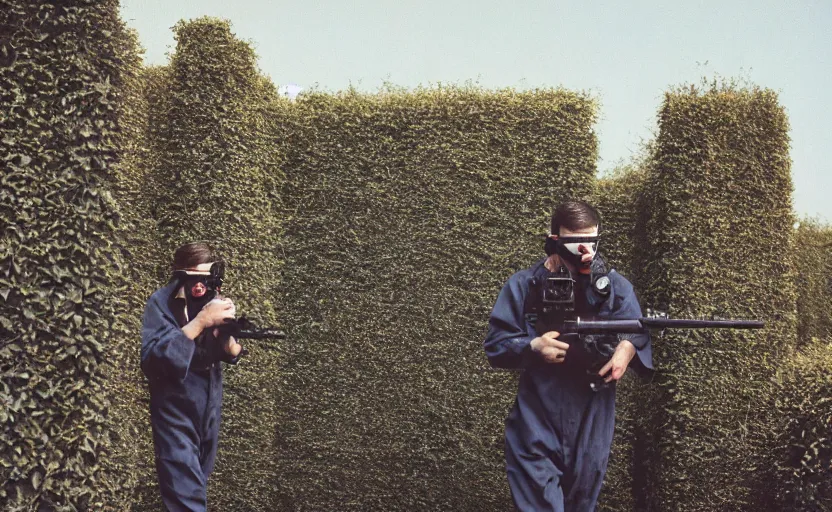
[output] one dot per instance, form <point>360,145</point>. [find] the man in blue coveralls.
<point>181,354</point>
<point>560,429</point>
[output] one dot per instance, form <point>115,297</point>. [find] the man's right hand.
<point>216,312</point>
<point>551,349</point>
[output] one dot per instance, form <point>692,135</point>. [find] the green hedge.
<point>719,207</point>
<point>406,212</point>
<point>216,174</point>
<point>804,405</point>
<point>813,244</point>
<point>60,279</point>
<point>128,424</point>
<point>399,217</point>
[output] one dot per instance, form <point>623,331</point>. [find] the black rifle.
<point>643,325</point>
<point>598,339</point>
<point>551,307</point>
<point>243,329</point>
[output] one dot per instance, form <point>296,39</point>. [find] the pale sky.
<point>626,53</point>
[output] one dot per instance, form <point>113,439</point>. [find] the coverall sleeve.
<point>166,351</point>
<point>628,308</point>
<point>508,344</point>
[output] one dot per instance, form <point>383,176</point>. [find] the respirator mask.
<point>569,248</point>
<point>200,286</point>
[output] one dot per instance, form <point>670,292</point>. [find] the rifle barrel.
<point>643,325</point>
<point>261,334</point>
<point>605,326</point>
<point>683,323</point>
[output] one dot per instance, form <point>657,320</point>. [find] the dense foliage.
<point>378,229</point>
<point>804,449</point>
<point>405,213</point>
<point>718,213</point>
<point>61,86</point>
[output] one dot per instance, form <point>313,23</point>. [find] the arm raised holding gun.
<point>243,329</point>
<point>188,331</point>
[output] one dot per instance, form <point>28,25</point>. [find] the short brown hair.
<point>193,254</point>
<point>574,215</point>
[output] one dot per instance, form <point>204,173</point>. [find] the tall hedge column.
<point>406,212</point>
<point>218,169</point>
<point>60,87</point>
<point>720,225</point>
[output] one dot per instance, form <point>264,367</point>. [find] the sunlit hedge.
<point>719,215</point>
<point>61,86</point>
<point>405,214</point>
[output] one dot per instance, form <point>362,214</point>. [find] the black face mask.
<point>197,294</point>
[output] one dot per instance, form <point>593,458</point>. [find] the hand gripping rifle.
<point>243,329</point>
<point>599,338</point>
<point>552,308</point>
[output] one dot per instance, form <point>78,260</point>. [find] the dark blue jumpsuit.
<point>185,380</point>
<point>559,432</point>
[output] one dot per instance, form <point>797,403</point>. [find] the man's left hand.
<point>231,346</point>
<point>619,361</point>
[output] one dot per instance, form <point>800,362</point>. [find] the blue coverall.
<point>559,432</point>
<point>185,380</point>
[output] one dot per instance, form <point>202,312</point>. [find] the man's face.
<point>205,279</point>
<point>586,250</point>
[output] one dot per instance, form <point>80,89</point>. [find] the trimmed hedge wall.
<point>406,212</point>
<point>217,172</point>
<point>60,281</point>
<point>719,218</point>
